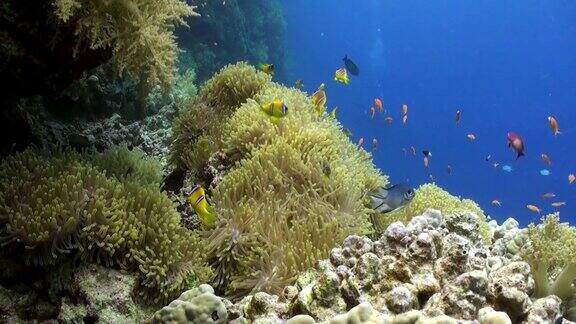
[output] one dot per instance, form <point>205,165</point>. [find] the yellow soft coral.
<point>138,32</point>
<point>431,196</point>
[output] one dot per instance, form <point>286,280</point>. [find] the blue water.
<point>506,64</point>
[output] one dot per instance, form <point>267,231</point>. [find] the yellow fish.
<point>198,201</point>
<point>342,76</point>
<point>319,99</point>
<point>267,68</point>
<point>276,109</point>
<point>333,113</point>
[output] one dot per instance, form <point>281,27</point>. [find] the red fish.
<point>378,104</point>
<point>554,125</point>
<point>516,142</point>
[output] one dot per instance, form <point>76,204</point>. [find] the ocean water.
<point>506,64</point>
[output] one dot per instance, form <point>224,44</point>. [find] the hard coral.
<point>138,32</point>
<point>432,196</point>
<point>55,203</point>
<point>551,253</point>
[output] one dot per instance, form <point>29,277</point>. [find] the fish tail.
<point>207,218</point>
<point>520,154</point>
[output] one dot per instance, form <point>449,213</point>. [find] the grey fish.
<point>351,66</point>
<point>391,198</point>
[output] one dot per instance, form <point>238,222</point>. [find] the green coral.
<point>138,32</point>
<point>54,203</point>
<point>431,196</point>
<point>551,253</point>
<point>281,212</point>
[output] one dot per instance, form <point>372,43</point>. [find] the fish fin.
<point>381,194</point>
<point>389,186</point>
<point>520,154</point>
<point>383,208</point>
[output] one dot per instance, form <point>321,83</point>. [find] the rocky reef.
<point>434,269</point>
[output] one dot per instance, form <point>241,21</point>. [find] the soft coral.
<point>551,252</point>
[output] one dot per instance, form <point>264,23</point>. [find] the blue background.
<point>506,64</point>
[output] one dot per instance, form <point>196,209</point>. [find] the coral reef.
<point>54,205</point>
<point>138,33</point>
<point>152,135</point>
<point>427,271</point>
<point>431,196</point>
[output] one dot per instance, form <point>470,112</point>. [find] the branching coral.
<point>432,196</point>
<point>551,252</point>
<point>280,210</point>
<point>55,203</point>
<point>139,32</point>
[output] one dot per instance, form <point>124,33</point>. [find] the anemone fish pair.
<point>197,200</point>
<point>275,109</point>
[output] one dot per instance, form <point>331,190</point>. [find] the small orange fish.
<point>378,104</point>
<point>546,158</point>
<point>471,137</point>
<point>372,112</point>
<point>361,141</point>
<point>554,125</point>
<point>571,178</point>
<point>389,120</point>
<point>558,204</point>
<point>426,161</point>
<point>496,202</point>
<point>413,149</point>
<point>548,195</point>
<point>404,109</point>
<point>405,119</point>
<point>449,169</point>
<point>374,144</point>
<point>458,116</point>
<point>533,208</point>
